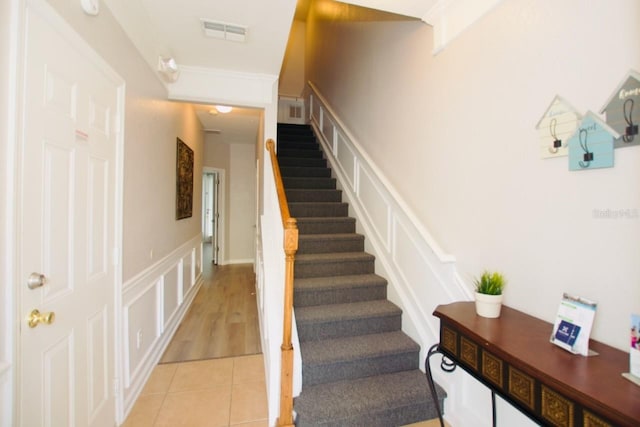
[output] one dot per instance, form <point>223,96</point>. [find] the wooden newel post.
<point>286,375</point>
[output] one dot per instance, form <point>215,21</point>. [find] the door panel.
<point>68,176</point>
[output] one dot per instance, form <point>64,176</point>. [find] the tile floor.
<point>212,393</point>
<point>208,393</point>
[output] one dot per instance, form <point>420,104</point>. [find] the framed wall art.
<point>184,180</point>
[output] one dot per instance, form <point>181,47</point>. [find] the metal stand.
<point>448,365</point>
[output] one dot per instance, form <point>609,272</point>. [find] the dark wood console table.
<point>512,356</point>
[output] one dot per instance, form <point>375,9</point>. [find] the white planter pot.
<point>488,305</point>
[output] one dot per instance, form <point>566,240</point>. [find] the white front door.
<point>68,167</point>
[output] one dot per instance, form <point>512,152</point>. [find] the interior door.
<point>67,238</point>
<point>215,218</point>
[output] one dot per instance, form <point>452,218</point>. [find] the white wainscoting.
<point>154,303</point>
<point>421,275</point>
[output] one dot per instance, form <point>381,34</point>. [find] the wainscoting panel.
<point>347,160</point>
<point>154,303</point>
<point>374,205</point>
<point>170,295</point>
<point>142,329</point>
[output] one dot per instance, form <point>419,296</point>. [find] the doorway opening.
<point>212,202</point>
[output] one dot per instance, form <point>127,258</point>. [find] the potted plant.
<point>489,288</point>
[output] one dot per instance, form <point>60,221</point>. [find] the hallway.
<point>223,318</point>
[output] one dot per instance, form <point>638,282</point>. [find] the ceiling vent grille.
<point>224,31</point>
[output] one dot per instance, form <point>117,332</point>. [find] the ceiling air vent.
<point>224,31</point>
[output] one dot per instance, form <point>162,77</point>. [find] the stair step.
<point>292,128</point>
<point>300,153</point>
<point>315,195</point>
<point>297,144</point>
<point>338,289</point>
<point>349,358</point>
<point>316,209</point>
<point>333,264</point>
<point>305,172</point>
<point>326,225</point>
<point>296,138</point>
<point>327,243</point>
<point>306,161</point>
<point>309,183</point>
<point>381,401</point>
<point>347,320</point>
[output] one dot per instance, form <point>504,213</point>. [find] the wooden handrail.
<point>290,247</point>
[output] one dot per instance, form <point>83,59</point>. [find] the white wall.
<point>242,201</point>
<point>454,134</point>
<point>292,75</point>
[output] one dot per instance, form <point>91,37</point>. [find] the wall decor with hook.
<point>556,125</point>
<point>591,145</point>
<point>622,110</point>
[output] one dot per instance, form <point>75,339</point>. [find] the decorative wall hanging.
<point>591,145</point>
<point>184,180</point>
<point>555,127</point>
<point>622,110</point>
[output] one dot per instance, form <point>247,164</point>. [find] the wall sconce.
<point>168,68</point>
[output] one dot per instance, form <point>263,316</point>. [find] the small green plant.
<point>490,283</point>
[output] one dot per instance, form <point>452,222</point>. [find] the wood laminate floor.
<point>223,318</point>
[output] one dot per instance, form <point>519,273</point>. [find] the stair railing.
<point>290,247</point>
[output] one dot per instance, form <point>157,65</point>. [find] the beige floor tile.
<point>144,412</point>
<point>160,379</point>
<point>261,423</point>
<point>202,375</point>
<point>430,423</point>
<point>248,369</point>
<point>202,408</point>
<point>248,402</point>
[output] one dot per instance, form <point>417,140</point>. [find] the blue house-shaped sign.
<point>623,110</point>
<point>591,145</point>
<point>555,127</point>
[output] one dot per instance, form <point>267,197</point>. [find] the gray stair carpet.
<point>358,367</point>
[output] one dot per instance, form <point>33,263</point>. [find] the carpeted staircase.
<point>358,367</point>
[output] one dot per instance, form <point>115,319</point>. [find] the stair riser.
<point>310,298</point>
<point>333,268</point>
<point>302,195</point>
<point>298,145</point>
<point>300,153</point>
<point>318,209</point>
<point>309,183</point>
<point>331,226</point>
<point>302,162</point>
<point>308,331</point>
<point>324,246</point>
<point>347,370</point>
<point>391,417</point>
<point>295,172</point>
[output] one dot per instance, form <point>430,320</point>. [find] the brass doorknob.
<point>35,318</point>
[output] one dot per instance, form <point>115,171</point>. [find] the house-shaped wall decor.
<point>622,110</point>
<point>591,145</point>
<point>555,127</point>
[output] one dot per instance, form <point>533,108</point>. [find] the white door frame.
<point>221,207</point>
<point>13,223</point>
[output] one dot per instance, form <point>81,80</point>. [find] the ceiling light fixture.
<point>224,108</point>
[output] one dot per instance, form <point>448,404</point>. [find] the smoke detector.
<point>223,30</point>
